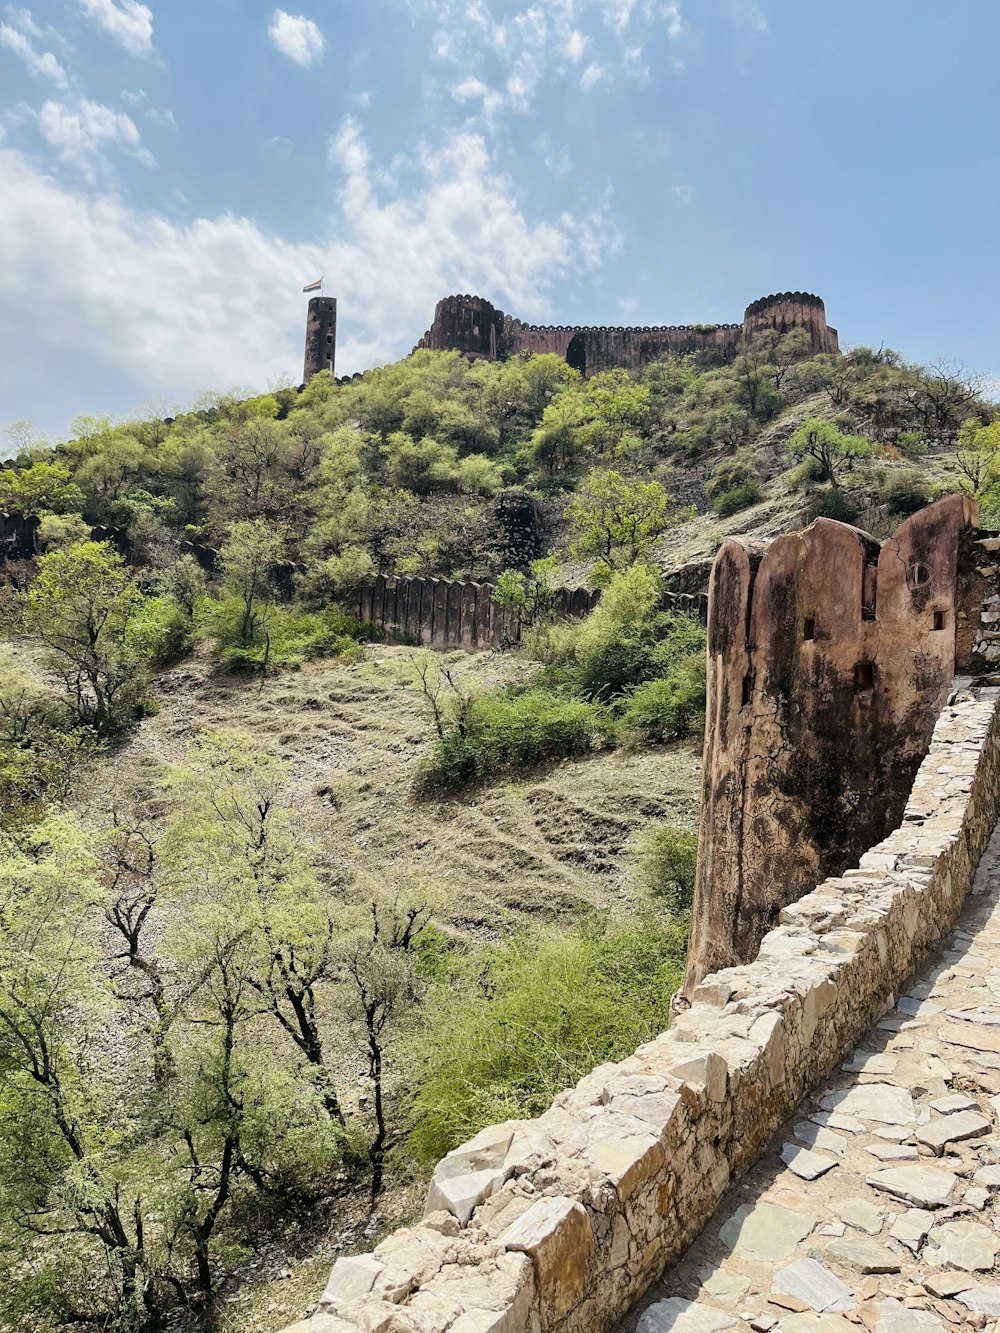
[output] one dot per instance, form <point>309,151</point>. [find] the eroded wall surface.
<point>829,660</point>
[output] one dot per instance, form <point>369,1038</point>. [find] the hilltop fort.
<point>477,329</point>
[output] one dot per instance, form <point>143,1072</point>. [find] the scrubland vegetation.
<point>284,915</point>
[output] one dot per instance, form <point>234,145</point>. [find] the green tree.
<point>829,449</point>
<point>616,521</point>
<point>85,606</point>
<point>248,561</point>
<point>40,488</point>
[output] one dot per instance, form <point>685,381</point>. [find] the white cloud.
<point>81,130</point>
<point>591,76</point>
<point>159,116</point>
<point>16,36</point>
<point>684,194</point>
<point>516,51</point>
<point>127,22</point>
<point>469,90</point>
<point>758,19</point>
<point>628,305</point>
<point>175,304</point>
<point>297,38</point>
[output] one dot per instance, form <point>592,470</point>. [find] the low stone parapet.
<point>562,1222</point>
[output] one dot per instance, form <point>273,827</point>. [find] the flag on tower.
<point>316,286</point>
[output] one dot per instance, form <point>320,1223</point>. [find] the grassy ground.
<point>548,846</point>
<point>552,844</point>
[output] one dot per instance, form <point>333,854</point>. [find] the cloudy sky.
<point>173,172</point>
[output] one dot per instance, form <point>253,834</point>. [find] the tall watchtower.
<point>321,336</point>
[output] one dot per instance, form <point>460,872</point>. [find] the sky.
<point>172,174</point>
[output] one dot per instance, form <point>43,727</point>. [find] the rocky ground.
<point>877,1205</point>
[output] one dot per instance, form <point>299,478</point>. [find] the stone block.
<point>556,1234</point>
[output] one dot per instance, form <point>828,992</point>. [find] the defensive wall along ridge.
<point>442,613</point>
<point>563,1221</point>
<point>479,330</point>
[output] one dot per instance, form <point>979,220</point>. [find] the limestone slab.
<point>812,1282</point>
<point>925,1186</point>
<point>952,1129</point>
<point>866,1255</point>
<point>765,1231</point>
<point>861,1213</point>
<point>895,1317</point>
<point>808,1165</point>
<point>971,1036</point>
<point>981,1300</point>
<point>881,1102</point>
<point>818,1136</point>
<point>676,1315</point>
<point>966,1245</point>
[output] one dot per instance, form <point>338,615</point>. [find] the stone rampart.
<point>475,327</point>
<point>439,613</point>
<point>562,1222</point>
<point>829,659</point>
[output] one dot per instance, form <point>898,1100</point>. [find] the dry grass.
<point>552,844</point>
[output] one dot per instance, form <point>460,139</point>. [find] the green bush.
<point>501,732</point>
<point>283,635</point>
<point>731,502</point>
<point>832,503</point>
<point>667,859</point>
<point>670,706</point>
<point>516,1024</point>
<point>906,490</point>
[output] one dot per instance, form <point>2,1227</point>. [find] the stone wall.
<point>439,613</point>
<point>473,326</point>
<point>562,1222</point>
<point>829,659</point>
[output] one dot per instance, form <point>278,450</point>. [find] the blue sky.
<point>172,174</point>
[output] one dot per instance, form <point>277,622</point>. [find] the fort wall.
<point>473,326</point>
<point>441,613</point>
<point>829,659</point>
<point>558,1224</point>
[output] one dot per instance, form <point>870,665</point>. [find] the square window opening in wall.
<point>864,678</point>
<point>808,628</point>
<point>940,619</point>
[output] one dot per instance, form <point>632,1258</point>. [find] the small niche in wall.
<point>747,688</point>
<point>864,678</point>
<point>808,628</point>
<point>939,620</point>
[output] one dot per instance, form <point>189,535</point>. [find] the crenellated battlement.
<point>476,328</point>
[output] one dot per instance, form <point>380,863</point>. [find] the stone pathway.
<point>878,1205</point>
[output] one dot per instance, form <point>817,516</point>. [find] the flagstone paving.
<point>878,1204</point>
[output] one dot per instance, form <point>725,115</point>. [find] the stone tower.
<point>321,337</point>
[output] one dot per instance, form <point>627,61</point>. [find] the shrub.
<point>906,490</point>
<point>670,706</point>
<point>285,637</point>
<point>516,1024</point>
<point>731,502</point>
<point>831,503</point>
<point>667,859</point>
<point>732,473</point>
<point>499,732</point>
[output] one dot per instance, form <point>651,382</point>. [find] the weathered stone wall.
<point>560,1223</point>
<point>473,326</point>
<point>439,613</point>
<point>828,662</point>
